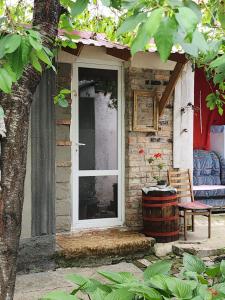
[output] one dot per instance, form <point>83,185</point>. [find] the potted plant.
<point>156,160</point>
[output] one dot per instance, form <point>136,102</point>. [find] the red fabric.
<point>202,139</point>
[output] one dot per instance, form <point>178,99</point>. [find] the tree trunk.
<point>14,151</point>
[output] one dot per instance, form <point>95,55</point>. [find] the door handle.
<point>80,144</point>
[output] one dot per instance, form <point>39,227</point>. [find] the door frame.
<point>74,133</point>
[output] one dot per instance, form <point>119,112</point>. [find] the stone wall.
<point>63,155</point>
<point>138,171</point>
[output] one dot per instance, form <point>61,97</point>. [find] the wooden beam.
<point>178,57</point>
<point>123,54</point>
<point>170,86</point>
<point>75,51</point>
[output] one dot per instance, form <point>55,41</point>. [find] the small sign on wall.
<point>145,116</point>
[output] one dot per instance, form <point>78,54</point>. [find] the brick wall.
<point>136,166</point>
<point>138,171</point>
<point>63,155</point>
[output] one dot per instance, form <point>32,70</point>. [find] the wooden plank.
<point>170,86</point>
<point>173,173</point>
<point>63,122</point>
<point>63,164</point>
<point>183,189</point>
<point>63,143</point>
<point>183,196</point>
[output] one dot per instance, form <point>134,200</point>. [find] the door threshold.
<point>80,231</point>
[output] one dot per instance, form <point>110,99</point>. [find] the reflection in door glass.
<point>98,197</point>
<point>98,118</point>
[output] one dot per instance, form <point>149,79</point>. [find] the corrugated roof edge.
<point>113,48</point>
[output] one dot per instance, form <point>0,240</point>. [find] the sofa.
<point>209,178</point>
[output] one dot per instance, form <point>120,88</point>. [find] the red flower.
<point>141,151</point>
<point>157,155</point>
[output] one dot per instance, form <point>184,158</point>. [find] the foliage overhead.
<point>196,281</point>
<point>197,29</point>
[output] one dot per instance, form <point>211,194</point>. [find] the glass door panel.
<point>98,143</point>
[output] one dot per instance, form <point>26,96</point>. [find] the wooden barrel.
<point>161,216</point>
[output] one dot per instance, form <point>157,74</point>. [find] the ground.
<point>33,286</point>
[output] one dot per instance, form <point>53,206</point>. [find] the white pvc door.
<point>97,147</point>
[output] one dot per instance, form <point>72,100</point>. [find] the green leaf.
<point>211,101</point>
<point>65,91</point>
<point>59,295</point>
<point>221,14</point>
<point>2,114</point>
<point>98,294</point>
<point>16,62</point>
<point>35,62</point>
<point>35,43</point>
<point>146,292</point>
<point>106,2</point>
<point>25,50</point>
<point>131,23</point>
<point>77,279</point>
<point>65,22</point>
<point>120,277</point>
<point>160,267</point>
<point>147,30</point>
<point>182,289</point>
<point>218,61</point>
<point>11,43</point>
<point>164,37</point>
<point>218,78</point>
<point>41,54</point>
<point>204,292</point>
<point>78,7</point>
<point>222,267</point>
<point>13,75</point>
<point>213,271</point>
<point>193,263</point>
<point>194,7</point>
<point>187,19</point>
<point>128,4</point>
<point>159,281</point>
<point>200,42</point>
<point>5,81</point>
<point>85,284</point>
<point>120,294</point>
<point>220,287</point>
<point>62,101</point>
<point>175,3</point>
<point>34,33</point>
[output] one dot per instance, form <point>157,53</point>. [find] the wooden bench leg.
<point>209,224</point>
<point>185,225</point>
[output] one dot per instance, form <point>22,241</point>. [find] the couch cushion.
<point>209,191</point>
<point>206,168</point>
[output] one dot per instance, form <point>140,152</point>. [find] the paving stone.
<point>33,286</point>
<point>144,262</point>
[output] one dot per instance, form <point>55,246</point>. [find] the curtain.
<point>203,117</point>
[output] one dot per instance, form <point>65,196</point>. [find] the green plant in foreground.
<point>196,281</point>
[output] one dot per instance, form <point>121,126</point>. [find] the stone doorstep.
<point>197,249</point>
<point>104,251</point>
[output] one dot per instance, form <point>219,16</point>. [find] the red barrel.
<point>161,216</point>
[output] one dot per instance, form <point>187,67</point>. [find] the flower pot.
<point>161,182</point>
